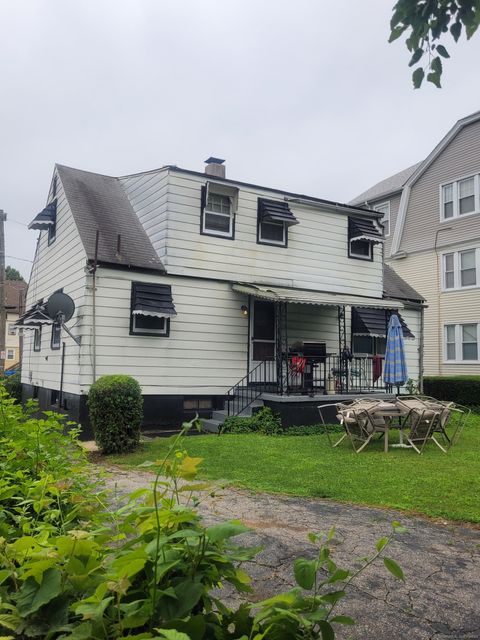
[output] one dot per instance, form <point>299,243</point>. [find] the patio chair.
<point>333,443</point>
<point>423,423</point>
<point>359,426</point>
<point>340,408</point>
<point>452,420</point>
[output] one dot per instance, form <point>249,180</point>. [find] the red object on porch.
<point>377,367</point>
<point>297,364</point>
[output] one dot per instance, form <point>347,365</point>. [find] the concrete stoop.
<point>213,424</point>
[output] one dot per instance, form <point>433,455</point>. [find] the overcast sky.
<point>304,95</point>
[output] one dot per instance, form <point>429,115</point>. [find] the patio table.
<point>389,411</point>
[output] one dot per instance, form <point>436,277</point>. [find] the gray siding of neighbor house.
<point>316,256</point>
<point>60,265</point>
<point>461,158</point>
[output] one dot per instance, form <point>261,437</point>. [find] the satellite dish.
<point>60,307</point>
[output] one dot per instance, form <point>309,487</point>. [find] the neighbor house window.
<point>10,354</point>
<point>384,208</point>
<point>11,329</point>
<point>37,338</point>
<point>55,339</point>
<point>460,269</point>
<point>461,342</point>
<point>460,198</point>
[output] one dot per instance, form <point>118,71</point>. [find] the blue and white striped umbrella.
<point>395,369</point>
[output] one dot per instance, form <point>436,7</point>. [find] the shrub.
<point>263,421</point>
<point>115,406</point>
<point>461,389</point>
<point>13,385</point>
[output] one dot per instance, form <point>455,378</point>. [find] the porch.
<point>305,345</point>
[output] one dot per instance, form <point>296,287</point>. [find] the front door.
<point>262,330</point>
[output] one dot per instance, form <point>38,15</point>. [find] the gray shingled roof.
<point>99,202</point>
<point>395,287</point>
<point>385,187</point>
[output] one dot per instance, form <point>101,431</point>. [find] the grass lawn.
<point>434,483</point>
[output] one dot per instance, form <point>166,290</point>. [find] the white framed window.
<point>149,325</point>
<point>270,232</point>
<point>11,329</point>
<point>460,198</point>
<point>10,354</point>
<point>461,342</point>
<point>461,269</point>
<point>384,207</point>
<point>217,218</point>
<point>361,249</point>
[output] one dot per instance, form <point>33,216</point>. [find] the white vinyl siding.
<point>60,265</point>
<point>316,256</point>
<point>461,269</point>
<point>461,342</point>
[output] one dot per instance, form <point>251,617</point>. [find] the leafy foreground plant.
<point>150,569</point>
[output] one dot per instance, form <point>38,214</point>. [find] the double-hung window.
<point>384,207</point>
<point>460,269</point>
<point>461,342</point>
<point>219,204</point>
<point>460,198</point>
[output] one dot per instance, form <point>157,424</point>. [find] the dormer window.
<point>460,198</point>
<point>274,219</point>
<point>219,203</point>
<point>363,233</point>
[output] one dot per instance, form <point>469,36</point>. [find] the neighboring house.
<point>189,281</point>
<point>432,213</point>
<point>15,292</point>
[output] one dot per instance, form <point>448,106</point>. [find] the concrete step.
<point>212,426</point>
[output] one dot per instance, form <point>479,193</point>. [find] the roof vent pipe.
<point>215,167</point>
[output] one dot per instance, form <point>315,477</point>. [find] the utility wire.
<point>23,224</point>
<point>17,258</point>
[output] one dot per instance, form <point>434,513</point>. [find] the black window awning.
<point>275,211</point>
<point>46,218</point>
<point>34,317</point>
<point>149,299</point>
<point>374,322</point>
<point>364,229</point>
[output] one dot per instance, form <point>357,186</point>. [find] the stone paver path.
<point>440,599</point>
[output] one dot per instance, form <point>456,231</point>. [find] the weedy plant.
<point>72,567</point>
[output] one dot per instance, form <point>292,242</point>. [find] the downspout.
<point>421,347</point>
<point>94,287</point>
<point>60,394</point>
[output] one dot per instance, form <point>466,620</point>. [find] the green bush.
<point>268,423</point>
<point>263,421</point>
<point>13,385</point>
<point>115,406</point>
<point>461,389</point>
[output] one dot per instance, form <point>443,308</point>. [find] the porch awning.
<point>34,317</point>
<point>275,211</point>
<point>300,296</point>
<point>151,299</point>
<point>363,229</point>
<point>373,322</point>
<point>46,218</point>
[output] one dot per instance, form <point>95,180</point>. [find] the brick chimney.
<point>215,167</point>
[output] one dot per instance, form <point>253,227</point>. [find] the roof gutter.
<point>336,207</point>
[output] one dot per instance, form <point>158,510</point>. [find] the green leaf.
<point>340,574</point>
<point>172,634</point>
<point>436,66</point>
<point>416,57</point>
<point>226,530</point>
<point>434,78</point>
<point>394,569</point>
<point>417,77</point>
<point>442,51</point>
<point>397,32</point>
<point>381,544</point>
<point>305,571</point>
<point>456,30</point>
<point>326,630</point>
<point>33,596</point>
<point>343,620</point>
<point>333,597</point>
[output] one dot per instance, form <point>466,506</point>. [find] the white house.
<point>194,283</point>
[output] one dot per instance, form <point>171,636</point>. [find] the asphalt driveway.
<point>440,598</point>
